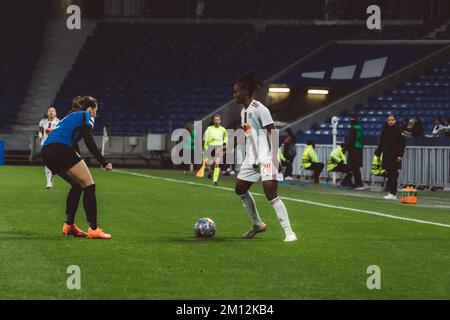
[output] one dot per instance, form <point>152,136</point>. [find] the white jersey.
<point>258,147</point>
<point>47,126</point>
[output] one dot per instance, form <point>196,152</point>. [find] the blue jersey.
<point>68,131</point>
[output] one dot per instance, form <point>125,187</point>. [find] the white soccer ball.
<point>205,228</point>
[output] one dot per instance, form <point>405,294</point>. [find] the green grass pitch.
<point>155,255</point>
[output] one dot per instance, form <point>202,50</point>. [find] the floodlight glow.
<point>279,90</point>
<point>317,91</point>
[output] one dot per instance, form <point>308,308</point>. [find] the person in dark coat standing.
<point>288,153</point>
<point>391,147</point>
<point>355,144</point>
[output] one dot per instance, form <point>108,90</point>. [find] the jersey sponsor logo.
<point>247,127</point>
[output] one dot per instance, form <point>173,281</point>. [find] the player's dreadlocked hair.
<point>249,82</point>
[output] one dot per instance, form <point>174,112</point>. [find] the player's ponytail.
<point>76,103</point>
<point>249,82</point>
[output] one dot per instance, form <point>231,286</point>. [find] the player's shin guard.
<point>250,206</point>
<point>282,214</point>
<point>90,205</point>
<point>73,198</point>
<point>216,174</point>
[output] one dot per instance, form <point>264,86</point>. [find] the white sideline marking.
<point>385,215</point>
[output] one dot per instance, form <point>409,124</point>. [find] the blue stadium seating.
<point>20,44</point>
<point>159,76</point>
<point>444,34</point>
<point>426,97</point>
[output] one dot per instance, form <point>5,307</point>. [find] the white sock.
<point>282,215</point>
<point>249,204</point>
<point>48,175</point>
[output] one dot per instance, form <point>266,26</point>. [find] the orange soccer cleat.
<point>73,230</point>
<point>97,234</point>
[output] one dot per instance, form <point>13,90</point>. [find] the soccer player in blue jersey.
<point>61,155</point>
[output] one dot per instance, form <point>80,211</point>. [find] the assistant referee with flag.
<point>215,142</point>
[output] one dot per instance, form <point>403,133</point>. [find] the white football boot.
<point>290,237</point>
<point>390,196</point>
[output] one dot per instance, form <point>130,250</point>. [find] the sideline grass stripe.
<point>314,203</point>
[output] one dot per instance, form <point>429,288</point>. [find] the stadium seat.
<point>167,68</point>
<point>427,104</point>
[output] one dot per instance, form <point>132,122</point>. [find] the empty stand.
<point>20,43</point>
<point>426,97</point>
<point>157,77</point>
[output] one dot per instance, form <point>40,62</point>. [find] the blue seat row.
<point>403,101</point>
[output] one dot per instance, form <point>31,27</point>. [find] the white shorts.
<point>265,172</point>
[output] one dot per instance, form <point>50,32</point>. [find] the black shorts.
<point>59,158</point>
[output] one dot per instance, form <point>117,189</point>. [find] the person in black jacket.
<point>391,147</point>
<point>288,152</point>
<point>355,144</point>
<point>417,130</point>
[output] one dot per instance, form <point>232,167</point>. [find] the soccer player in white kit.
<point>46,125</point>
<point>261,159</point>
